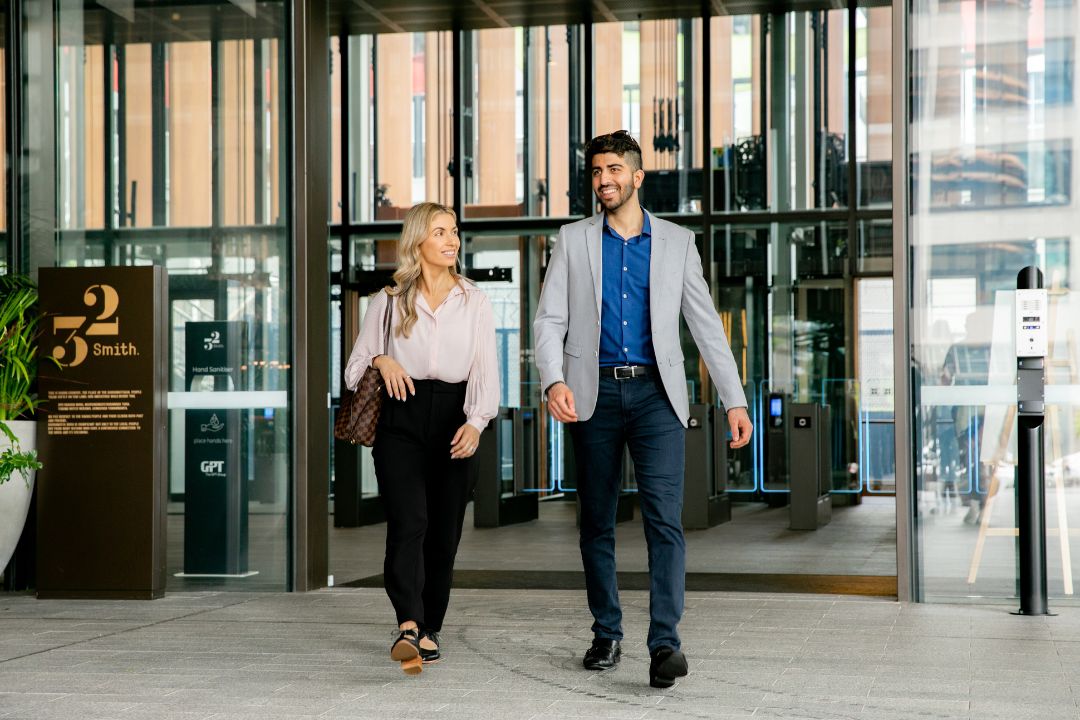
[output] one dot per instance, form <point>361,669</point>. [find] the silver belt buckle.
<point>629,372</point>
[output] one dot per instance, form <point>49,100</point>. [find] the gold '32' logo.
<point>73,349</point>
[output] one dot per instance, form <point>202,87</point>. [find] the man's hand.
<point>740,425</point>
<point>561,403</point>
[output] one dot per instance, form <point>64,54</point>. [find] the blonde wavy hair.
<point>415,230</point>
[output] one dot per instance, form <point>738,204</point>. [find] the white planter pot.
<point>15,494</point>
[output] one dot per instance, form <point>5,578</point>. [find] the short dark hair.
<point>620,142</point>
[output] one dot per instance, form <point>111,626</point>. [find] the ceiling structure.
<point>140,21</point>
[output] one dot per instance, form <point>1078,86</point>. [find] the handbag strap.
<point>387,319</point>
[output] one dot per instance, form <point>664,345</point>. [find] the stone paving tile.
<point>811,711</point>
<point>517,655</point>
<point>626,710</point>
<point>815,685</point>
<point>704,713</point>
<point>924,658</point>
<point>139,712</point>
<point>1039,692</point>
<point>1004,710</point>
<point>735,681</point>
<point>945,687</point>
<point>916,707</point>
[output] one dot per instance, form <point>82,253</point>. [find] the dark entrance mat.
<point>875,585</point>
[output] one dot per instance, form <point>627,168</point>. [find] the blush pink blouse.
<point>454,343</point>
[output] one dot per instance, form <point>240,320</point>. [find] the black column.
<point>160,125</point>
<point>309,80</point>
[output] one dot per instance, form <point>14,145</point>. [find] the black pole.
<point>159,152</point>
<point>18,251</point>
<point>1030,470</point>
<point>457,156</point>
<point>1031,511</point>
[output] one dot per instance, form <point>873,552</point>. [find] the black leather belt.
<point>628,372</point>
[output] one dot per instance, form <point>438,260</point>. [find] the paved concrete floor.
<point>515,654</point>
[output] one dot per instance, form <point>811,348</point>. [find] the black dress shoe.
<point>603,655</point>
<point>429,656</point>
<point>667,665</point>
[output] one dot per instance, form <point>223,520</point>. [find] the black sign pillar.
<point>215,486</point>
<point>104,438</point>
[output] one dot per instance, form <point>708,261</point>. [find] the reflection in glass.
<point>1037,173</point>
<point>875,410</point>
<point>742,250</point>
<point>400,124</point>
<point>828,88</point>
<point>506,302</point>
<point>189,202</point>
<point>873,99</point>
<point>645,81</point>
<point>171,153</point>
<point>738,108</point>
<point>993,123</point>
<point>875,246</point>
<point>518,122</point>
<point>740,301</point>
<point>812,148</point>
<point>81,141</point>
<point>821,249</point>
<point>820,342</point>
<point>334,161</point>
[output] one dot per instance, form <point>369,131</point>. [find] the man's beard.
<point>623,195</point>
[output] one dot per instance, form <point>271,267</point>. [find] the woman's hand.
<point>398,383</point>
<point>465,442</point>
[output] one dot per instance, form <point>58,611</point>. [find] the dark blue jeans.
<point>635,414</point>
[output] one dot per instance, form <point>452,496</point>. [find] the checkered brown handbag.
<point>358,413</point>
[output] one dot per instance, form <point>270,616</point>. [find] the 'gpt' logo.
<point>212,467</point>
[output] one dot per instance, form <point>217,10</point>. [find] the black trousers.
<point>425,493</point>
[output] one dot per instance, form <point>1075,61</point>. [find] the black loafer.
<point>667,666</point>
<point>430,656</point>
<point>603,655</point>
<point>406,647</point>
<point>406,650</point>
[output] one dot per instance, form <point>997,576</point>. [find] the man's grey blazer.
<point>567,324</point>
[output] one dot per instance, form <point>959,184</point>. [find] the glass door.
<point>171,141</point>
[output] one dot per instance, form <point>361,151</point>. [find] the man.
<point>611,365</point>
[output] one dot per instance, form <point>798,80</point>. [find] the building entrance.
<point>762,134</point>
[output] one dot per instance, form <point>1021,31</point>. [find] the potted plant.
<point>19,332</point>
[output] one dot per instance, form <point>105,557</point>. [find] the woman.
<point>442,388</point>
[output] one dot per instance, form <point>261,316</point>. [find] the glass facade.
<point>170,140</point>
<point>739,113</point>
<point>399,123</point>
<point>993,121</point>
<point>647,80</point>
<point>517,122</point>
<point>767,135</point>
<point>797,112</point>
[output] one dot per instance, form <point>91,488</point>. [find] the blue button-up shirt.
<point>625,330</point>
